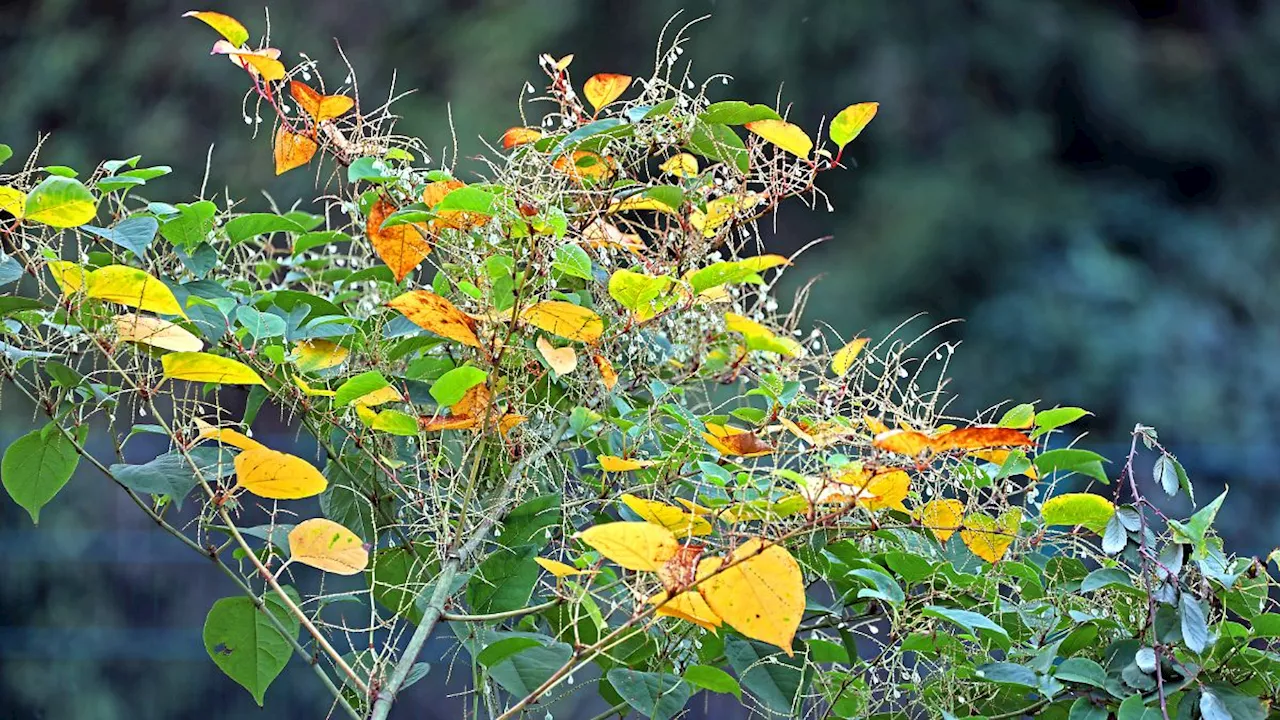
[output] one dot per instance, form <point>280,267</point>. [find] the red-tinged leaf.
<point>292,150</point>
<point>520,136</point>
<point>850,122</point>
<point>980,438</point>
<point>903,442</point>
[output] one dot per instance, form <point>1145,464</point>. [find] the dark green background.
<point>1090,185</point>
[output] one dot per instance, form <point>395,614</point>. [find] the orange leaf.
<point>562,360</point>
<point>520,136</point>
<point>903,442</point>
<point>607,374</point>
<point>735,441</point>
<point>292,150</point>
<point>434,193</point>
<point>980,438</point>
<point>319,107</point>
<point>402,247</point>
<point>262,62</point>
<point>475,402</point>
<point>435,313</point>
<point>446,422</point>
<point>602,234</point>
<point>603,88</point>
<point>227,26</point>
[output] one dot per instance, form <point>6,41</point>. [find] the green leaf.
<point>1195,625</point>
<point>358,387</point>
<point>713,679</point>
<point>12,304</point>
<point>470,199</point>
<point>733,272</point>
<point>970,621</point>
<point>504,581</point>
<point>252,225</point>
<point>1228,703</point>
<point>1052,419</point>
<point>1165,475</point>
<point>1008,673</point>
<point>655,695</point>
<point>1072,460</point>
<point>451,386</point>
<point>574,261</point>
<point>1018,416</point>
<point>1133,708</point>
<point>320,238</point>
<point>370,169</point>
<point>36,466</point>
<point>770,676</point>
<point>1105,577</point>
<point>505,648</point>
<point>133,234</point>
<point>1084,709</point>
<point>1081,670</point>
<point>172,475</point>
<point>1266,626</point>
<point>246,645</point>
<point>1114,536</point>
<point>61,202</point>
<point>638,292</point>
<point>719,142</point>
<point>1087,509</point>
<point>737,112</point>
<point>850,122</point>
<point>259,324</point>
<point>6,152</point>
<point>399,575</point>
<point>528,522</point>
<point>191,226</point>
<point>882,587</point>
<point>1193,531</point>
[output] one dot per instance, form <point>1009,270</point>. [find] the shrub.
<point>559,415</point>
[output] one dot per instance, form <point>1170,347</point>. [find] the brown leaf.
<point>435,313</point>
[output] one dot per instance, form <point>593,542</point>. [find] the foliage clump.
<point>560,415</point>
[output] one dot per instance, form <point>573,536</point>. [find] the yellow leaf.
<point>613,463</point>
<point>844,357</point>
<point>640,202</point>
<point>292,150</point>
<point>603,88</point>
<point>156,332</point>
<point>510,421</point>
<point>602,234</point>
<point>689,606</point>
<point>849,122</point>
<point>888,487</point>
<point>520,136</point>
<point>721,211</point>
<point>310,391</point>
<point>401,247</point>
<point>783,134</point>
<point>203,367</point>
<point>262,63</point>
<point>584,164</point>
<point>69,276</point>
<point>12,201</point>
<point>227,26</point>
<point>562,360</point>
<point>381,396</point>
<point>682,165</point>
<point>668,516</point>
<point>320,107</point>
<point>729,440</point>
<point>762,596</point>
<point>632,545</point>
<point>313,355</point>
<point>566,320</point>
<point>133,287</point>
<point>942,517</point>
<point>557,568</point>
<point>227,436</point>
<point>989,538</point>
<point>275,475</point>
<point>608,375</point>
<point>328,546</point>
<point>759,337</point>
<point>435,313</point>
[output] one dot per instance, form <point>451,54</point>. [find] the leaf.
<point>132,287</point>
<point>520,136</point>
<point>783,134</point>
<point>759,337</point>
<point>172,475</point>
<point>496,652</point>
<point>566,320</point>
<point>191,226</point>
<point>60,202</point>
<point>6,152</point>
<point>733,271</point>
<point>227,26</point>
<point>979,438</point>
<point>668,516</point>
<point>1236,704</point>
<point>359,387</point>
<point>1165,475</point>
<point>775,681</point>
<point>557,568</point>
<point>1193,531</point>
<point>36,466</point>
<point>1081,670</point>
<point>155,332</point>
<point>761,594</point>
<point>203,367</point>
<point>603,88</point>
<point>844,357</point>
<point>737,112</point>
<point>504,581</point>
<point>1195,626</point>
<point>449,389</point>
<point>882,587</point>
<point>12,200</point>
<point>263,63</point>
<point>1084,709</point>
<point>611,463</point>
<point>967,619</point>
<point>246,645</point>
<point>1135,708</point>
<point>292,150</point>
<point>718,142</point>
<point>574,261</point>
<point>1087,509</point>
<point>1072,460</point>
<point>942,517</point>
<point>327,546</point>
<point>1054,418</point>
<point>638,292</point>
<point>252,225</point>
<point>1008,673</point>
<point>632,545</point>
<point>402,247</point>
<point>989,538</point>
<point>1019,416</point>
<point>315,355</point>
<point>562,360</point>
<point>226,436</point>
<point>608,376</point>
<point>1105,577</point>
<point>435,313</point>
<point>135,234</point>
<point>319,107</point>
<point>713,679</point>
<point>849,122</point>
<point>681,165</point>
<point>660,696</point>
<point>583,165</point>
<point>275,475</point>
<point>732,441</point>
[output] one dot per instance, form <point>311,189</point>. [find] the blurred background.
<point>1089,184</point>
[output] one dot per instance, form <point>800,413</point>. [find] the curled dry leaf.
<point>275,475</point>
<point>328,546</point>
<point>292,150</point>
<point>608,375</point>
<point>562,360</point>
<point>402,247</point>
<point>156,332</point>
<point>435,313</point>
<point>603,88</point>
